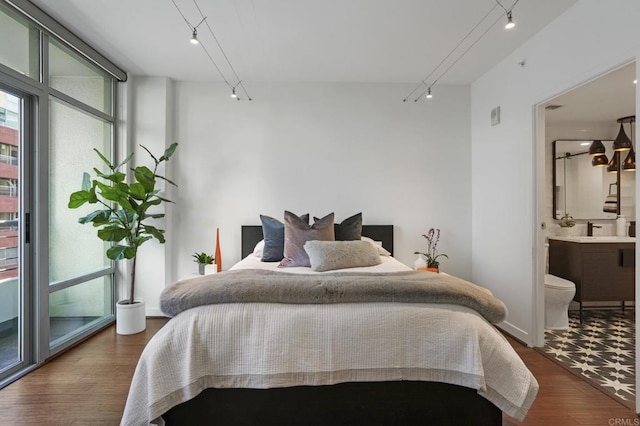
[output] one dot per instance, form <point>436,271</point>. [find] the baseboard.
<point>152,311</point>
<point>515,332</point>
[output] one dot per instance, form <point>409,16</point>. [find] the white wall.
<point>153,116</point>
<point>316,148</point>
<point>589,39</point>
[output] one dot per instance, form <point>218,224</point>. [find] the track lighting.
<point>194,40</point>
<point>429,95</point>
<point>510,24</point>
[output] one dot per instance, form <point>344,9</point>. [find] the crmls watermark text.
<point>624,422</point>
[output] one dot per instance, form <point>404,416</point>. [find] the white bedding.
<point>265,345</point>
<point>389,264</point>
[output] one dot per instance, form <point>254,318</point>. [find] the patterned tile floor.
<point>601,349</point>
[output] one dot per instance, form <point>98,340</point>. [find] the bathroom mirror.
<point>580,189</point>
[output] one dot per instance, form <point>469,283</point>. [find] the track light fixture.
<point>194,34</point>
<point>510,24</point>
<point>194,40</point>
<point>429,95</point>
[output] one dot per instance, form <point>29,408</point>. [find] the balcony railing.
<point>8,159</point>
<point>8,190</point>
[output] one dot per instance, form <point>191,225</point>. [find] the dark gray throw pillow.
<point>273,233</point>
<point>297,232</point>
<point>349,229</point>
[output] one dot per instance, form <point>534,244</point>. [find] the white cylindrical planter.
<point>210,269</point>
<point>130,319</point>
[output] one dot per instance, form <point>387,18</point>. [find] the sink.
<point>596,239</point>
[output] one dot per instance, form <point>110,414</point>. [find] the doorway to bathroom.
<point>590,208</point>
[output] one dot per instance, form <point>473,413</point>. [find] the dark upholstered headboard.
<point>252,234</point>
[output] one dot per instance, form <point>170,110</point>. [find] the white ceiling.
<point>304,40</point>
<point>604,99</point>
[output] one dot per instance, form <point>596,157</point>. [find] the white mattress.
<point>389,264</point>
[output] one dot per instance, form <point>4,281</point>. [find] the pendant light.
<point>596,149</point>
<point>629,164</point>
<point>599,161</point>
<point>622,142</point>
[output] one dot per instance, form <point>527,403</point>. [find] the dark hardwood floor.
<point>88,385</point>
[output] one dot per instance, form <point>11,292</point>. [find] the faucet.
<point>590,227</point>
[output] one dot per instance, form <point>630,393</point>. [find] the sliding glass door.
<point>57,104</point>
<point>15,329</point>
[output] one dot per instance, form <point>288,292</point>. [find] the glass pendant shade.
<point>599,161</point>
<point>613,164</point>
<point>629,164</point>
<point>622,142</point>
<point>596,148</point>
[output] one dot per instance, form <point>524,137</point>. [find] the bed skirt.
<point>362,403</point>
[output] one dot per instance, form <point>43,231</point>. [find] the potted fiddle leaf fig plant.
<point>123,219</point>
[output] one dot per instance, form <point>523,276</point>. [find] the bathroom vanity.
<point>602,268</point>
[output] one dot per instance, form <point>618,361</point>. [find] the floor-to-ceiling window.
<point>57,105</point>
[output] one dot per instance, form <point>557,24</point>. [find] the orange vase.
<point>218,256</point>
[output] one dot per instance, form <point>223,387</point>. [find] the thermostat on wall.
<point>495,116</point>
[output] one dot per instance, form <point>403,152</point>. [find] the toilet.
<point>558,293</point>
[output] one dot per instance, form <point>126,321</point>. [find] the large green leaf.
<point>119,252</point>
<point>125,161</point>
<point>137,191</point>
<point>115,177</point>
<point>113,233</point>
<point>157,233</point>
<point>145,177</point>
<point>167,180</point>
<point>140,240</point>
<point>78,198</point>
<point>86,181</point>
<point>97,217</point>
<point>104,159</point>
<point>169,151</point>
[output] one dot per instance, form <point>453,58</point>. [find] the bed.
<point>352,363</point>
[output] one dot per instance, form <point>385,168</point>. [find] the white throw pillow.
<point>378,245</point>
<point>258,249</point>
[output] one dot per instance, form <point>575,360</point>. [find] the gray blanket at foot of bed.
<point>264,286</point>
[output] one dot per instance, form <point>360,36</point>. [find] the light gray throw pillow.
<point>330,255</point>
